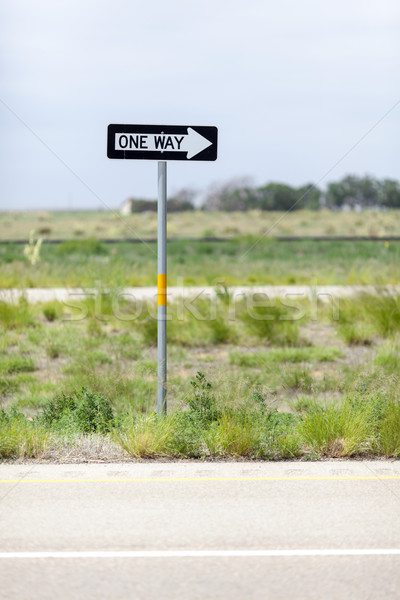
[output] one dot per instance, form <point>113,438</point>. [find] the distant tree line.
<point>363,192</point>
<point>237,196</point>
<point>351,193</point>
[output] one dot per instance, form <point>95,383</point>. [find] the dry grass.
<point>84,448</point>
<point>106,224</point>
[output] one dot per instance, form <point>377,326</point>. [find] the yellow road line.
<point>203,479</point>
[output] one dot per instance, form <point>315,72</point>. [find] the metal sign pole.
<point>162,290</point>
<point>162,143</point>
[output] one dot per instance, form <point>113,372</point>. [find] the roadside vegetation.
<point>252,379</point>
<point>246,260</point>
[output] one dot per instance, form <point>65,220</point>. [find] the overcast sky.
<point>291,85</point>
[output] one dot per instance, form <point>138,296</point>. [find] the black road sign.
<point>162,142</point>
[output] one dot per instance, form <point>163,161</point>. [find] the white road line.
<point>206,553</point>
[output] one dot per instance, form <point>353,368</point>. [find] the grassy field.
<point>245,381</point>
<point>241,261</point>
<point>199,224</point>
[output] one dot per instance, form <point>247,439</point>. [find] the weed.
<point>52,311</point>
<point>85,412</point>
<point>221,332</point>
<point>388,357</point>
<point>146,436</point>
<point>389,430</point>
<point>32,250</point>
<point>53,350</point>
<point>303,404</point>
<point>20,438</point>
<point>298,378</point>
<point>237,434</point>
<point>148,328</point>
<point>273,324</point>
<point>202,404</point>
<point>355,334</point>
<point>383,309</point>
<point>338,430</point>
<point>8,386</point>
<point>369,314</point>
<point>93,412</point>
<point>98,357</point>
<point>127,347</point>
<point>288,445</point>
<point>286,355</point>
<point>16,364</point>
<point>14,316</point>
<point>93,328</point>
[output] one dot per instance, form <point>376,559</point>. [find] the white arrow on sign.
<point>193,143</point>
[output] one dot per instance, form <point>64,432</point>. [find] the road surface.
<point>194,530</point>
<point>290,292</point>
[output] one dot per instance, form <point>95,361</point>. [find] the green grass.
<point>16,364</point>
<point>14,316</point>
<point>52,310</point>
<point>388,442</point>
<point>368,316</point>
<point>271,323</point>
<point>337,430</point>
<point>286,355</point>
<point>242,261</point>
<point>146,436</point>
<point>361,424</point>
<point>87,247</point>
<point>257,395</point>
<point>298,378</point>
<point>21,438</point>
<point>388,356</point>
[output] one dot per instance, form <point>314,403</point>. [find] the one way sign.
<point>162,142</point>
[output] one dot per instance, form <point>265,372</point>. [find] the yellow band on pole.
<point>162,289</point>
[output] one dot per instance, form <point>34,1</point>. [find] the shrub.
<point>52,311</point>
<point>188,439</point>
<point>44,229</point>
<point>85,411</point>
<point>88,247</point>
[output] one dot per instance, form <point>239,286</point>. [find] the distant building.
<point>126,208</point>
<point>134,205</point>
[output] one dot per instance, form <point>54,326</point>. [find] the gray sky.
<point>291,85</point>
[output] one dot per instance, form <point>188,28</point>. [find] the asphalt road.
<point>199,530</point>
